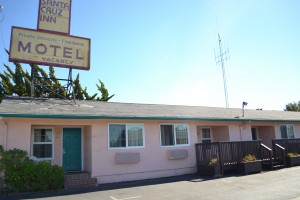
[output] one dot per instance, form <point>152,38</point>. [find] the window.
<point>42,143</point>
<point>173,135</point>
<point>287,131</point>
<point>126,135</point>
<point>206,135</point>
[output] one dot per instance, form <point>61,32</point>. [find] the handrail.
<point>265,147</point>
<point>266,150</point>
<point>281,147</point>
<point>279,153</point>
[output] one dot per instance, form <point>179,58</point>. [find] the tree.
<point>19,87</point>
<point>104,92</point>
<point>1,93</point>
<point>18,82</point>
<point>293,107</point>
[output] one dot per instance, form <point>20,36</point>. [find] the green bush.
<point>24,175</point>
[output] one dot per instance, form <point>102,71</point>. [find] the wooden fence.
<point>229,154</point>
<point>290,145</point>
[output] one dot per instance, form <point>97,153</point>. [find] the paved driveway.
<point>282,185</point>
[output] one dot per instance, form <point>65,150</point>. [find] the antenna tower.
<point>220,59</point>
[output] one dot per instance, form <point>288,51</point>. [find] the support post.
<point>32,82</point>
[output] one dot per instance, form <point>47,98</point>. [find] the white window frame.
<point>126,136</point>
<point>52,142</point>
<point>287,133</point>
<point>210,133</point>
<point>174,132</point>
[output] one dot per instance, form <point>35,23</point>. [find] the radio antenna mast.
<point>220,59</point>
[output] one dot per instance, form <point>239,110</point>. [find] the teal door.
<point>72,149</point>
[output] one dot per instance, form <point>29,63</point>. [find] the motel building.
<point>116,142</point>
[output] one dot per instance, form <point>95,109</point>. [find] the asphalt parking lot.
<point>282,184</point>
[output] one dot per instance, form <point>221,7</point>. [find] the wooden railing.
<point>205,152</point>
<point>290,145</point>
<point>279,154</point>
<point>229,154</point>
<point>282,147</point>
<point>266,155</point>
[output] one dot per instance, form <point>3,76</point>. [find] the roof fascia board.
<point>140,118</point>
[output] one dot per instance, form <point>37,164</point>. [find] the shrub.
<point>213,162</point>
<point>249,158</point>
<point>24,175</point>
<point>292,154</point>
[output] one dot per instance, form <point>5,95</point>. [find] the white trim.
<point>62,144</point>
<point>32,141</point>
<point>126,135</point>
<point>174,132</point>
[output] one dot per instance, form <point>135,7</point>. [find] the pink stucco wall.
<point>153,158</point>
<point>220,133</point>
<point>100,160</point>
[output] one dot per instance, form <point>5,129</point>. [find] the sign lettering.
<point>54,15</point>
<point>30,46</point>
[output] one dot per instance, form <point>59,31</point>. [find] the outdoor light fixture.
<point>243,106</point>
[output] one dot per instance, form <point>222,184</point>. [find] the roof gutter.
<point>56,116</point>
<point>5,133</point>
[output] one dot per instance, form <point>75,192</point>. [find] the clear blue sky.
<point>162,51</point>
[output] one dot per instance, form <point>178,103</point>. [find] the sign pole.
<point>32,83</point>
<point>70,85</point>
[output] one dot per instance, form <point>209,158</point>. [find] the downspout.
<point>5,133</point>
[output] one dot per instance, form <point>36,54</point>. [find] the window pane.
<point>206,133</point>
<point>181,134</point>
<point>135,135</point>
<point>48,135</point>
<point>42,135</point>
<point>37,135</point>
<point>290,131</point>
<point>167,135</point>
<point>283,132</point>
<point>42,150</point>
<point>117,135</point>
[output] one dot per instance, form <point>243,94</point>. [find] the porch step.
<point>79,180</point>
<point>276,165</point>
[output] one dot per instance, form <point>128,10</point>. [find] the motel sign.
<point>51,44</point>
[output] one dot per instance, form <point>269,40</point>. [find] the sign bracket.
<point>49,91</point>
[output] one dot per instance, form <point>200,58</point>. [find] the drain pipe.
<point>5,133</point>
